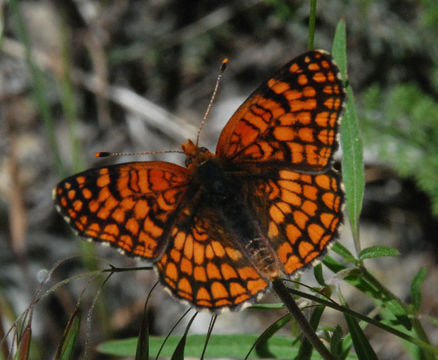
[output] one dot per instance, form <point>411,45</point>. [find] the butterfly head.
<point>196,155</point>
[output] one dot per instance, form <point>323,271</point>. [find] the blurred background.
<point>82,76</point>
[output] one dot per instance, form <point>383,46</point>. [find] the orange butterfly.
<point>222,228</point>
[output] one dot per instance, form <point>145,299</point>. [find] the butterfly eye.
<point>199,151</point>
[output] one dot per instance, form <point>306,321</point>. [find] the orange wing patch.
<point>129,206</point>
<point>304,214</point>
<point>204,268</point>
<point>292,118</point>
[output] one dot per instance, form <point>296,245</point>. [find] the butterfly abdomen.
<point>223,192</point>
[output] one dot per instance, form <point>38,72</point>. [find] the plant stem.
<point>312,24</point>
<point>307,330</point>
<point>424,345</point>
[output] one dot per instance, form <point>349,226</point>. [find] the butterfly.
<point>267,204</point>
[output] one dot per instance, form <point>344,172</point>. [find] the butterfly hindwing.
<point>300,213</point>
<point>204,266</point>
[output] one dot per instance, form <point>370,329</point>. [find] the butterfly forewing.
<point>129,206</point>
<point>291,118</point>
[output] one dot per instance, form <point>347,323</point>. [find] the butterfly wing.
<point>291,119</point>
<point>155,210</point>
<point>204,266</point>
<point>129,206</point>
<point>300,213</point>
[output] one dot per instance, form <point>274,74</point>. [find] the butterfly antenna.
<point>102,154</point>
<point>210,104</point>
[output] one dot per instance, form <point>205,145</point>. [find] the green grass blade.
<point>142,351</point>
<point>165,338</point>
<point>178,354</point>
<point>260,344</point>
<point>361,345</point>
<point>71,332</point>
<point>209,332</point>
<point>336,344</point>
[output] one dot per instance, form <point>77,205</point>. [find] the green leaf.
<point>361,345</point>
<point>343,251</point>
<point>225,346</point>
<point>366,283</point>
<point>317,272</point>
<point>377,251</point>
<point>416,288</point>
<point>339,47</point>
<point>352,164</point>
<point>272,306</point>
<point>351,141</point>
<point>333,264</point>
<point>336,342</point>
<point>400,314</point>
<point>355,277</point>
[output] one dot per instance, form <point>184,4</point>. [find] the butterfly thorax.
<point>219,187</point>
